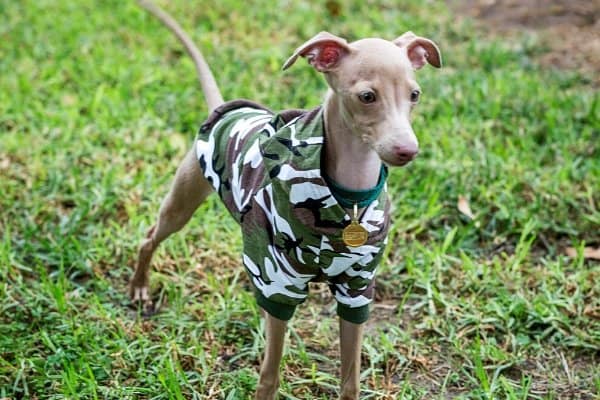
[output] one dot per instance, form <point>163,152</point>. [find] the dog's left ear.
<point>324,52</point>
<point>420,50</point>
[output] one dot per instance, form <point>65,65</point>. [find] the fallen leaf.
<point>464,208</point>
<point>4,164</point>
<point>592,311</point>
<point>421,360</point>
<point>588,252</point>
<point>68,100</point>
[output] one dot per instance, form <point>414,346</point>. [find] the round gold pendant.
<point>354,235</point>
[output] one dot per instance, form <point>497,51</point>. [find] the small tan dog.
<point>268,184</point>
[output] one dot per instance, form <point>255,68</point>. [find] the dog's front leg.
<point>350,348</point>
<point>268,382</point>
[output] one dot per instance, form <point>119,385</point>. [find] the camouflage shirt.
<point>266,169</point>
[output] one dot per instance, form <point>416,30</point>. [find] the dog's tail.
<point>207,80</point>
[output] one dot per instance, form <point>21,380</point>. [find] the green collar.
<point>348,197</point>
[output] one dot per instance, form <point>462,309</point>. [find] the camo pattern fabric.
<point>266,169</point>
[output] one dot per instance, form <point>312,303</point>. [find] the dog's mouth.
<point>398,161</point>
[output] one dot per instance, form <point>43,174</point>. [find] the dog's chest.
<point>266,170</point>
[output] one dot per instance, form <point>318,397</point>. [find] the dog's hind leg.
<point>187,192</point>
<point>268,382</point>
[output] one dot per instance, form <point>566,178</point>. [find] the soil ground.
<point>568,30</point>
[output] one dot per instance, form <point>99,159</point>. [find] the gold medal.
<point>355,235</point>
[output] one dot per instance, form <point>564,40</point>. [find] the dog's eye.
<point>367,97</point>
<point>414,96</point>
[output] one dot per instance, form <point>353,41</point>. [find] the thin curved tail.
<point>207,80</point>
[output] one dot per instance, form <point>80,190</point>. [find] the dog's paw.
<point>140,296</point>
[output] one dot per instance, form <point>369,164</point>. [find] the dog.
<point>307,187</point>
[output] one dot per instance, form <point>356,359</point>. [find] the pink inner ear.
<point>417,56</point>
<point>324,57</point>
<point>329,56</point>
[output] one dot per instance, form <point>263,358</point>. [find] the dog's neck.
<point>349,161</point>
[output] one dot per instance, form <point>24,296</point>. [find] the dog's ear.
<point>419,50</point>
<point>324,52</point>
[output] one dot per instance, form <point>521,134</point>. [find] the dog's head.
<point>373,79</point>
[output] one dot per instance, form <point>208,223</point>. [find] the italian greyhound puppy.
<point>366,122</point>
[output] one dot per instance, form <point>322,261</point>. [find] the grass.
<point>98,104</point>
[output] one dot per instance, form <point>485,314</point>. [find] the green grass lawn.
<point>98,104</point>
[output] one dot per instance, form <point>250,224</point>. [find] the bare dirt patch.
<point>568,29</point>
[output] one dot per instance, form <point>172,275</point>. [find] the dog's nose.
<point>406,153</point>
